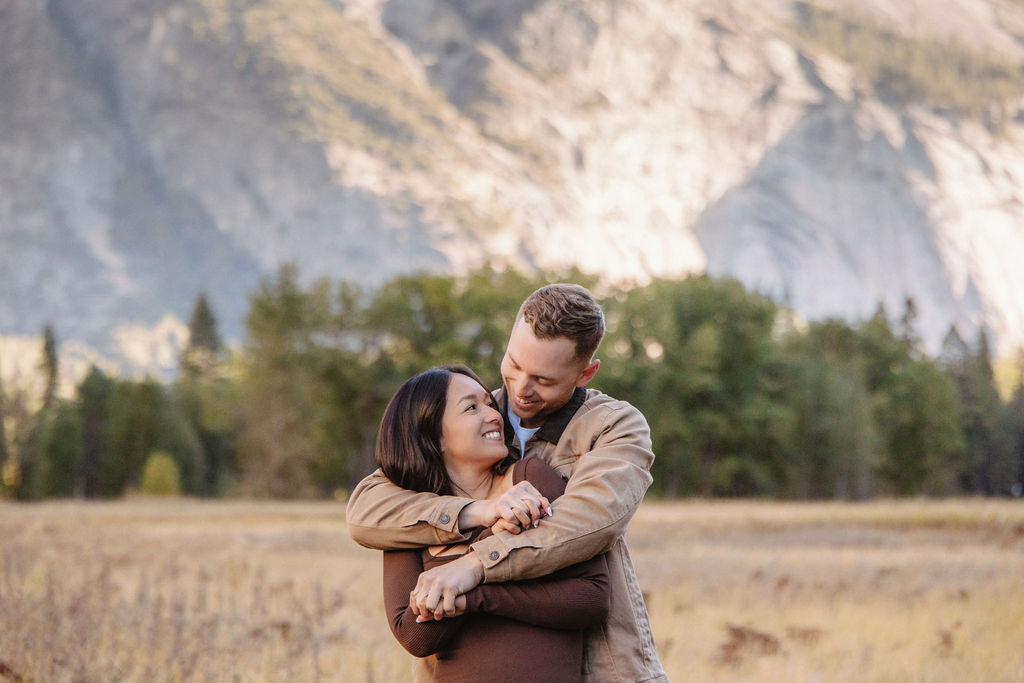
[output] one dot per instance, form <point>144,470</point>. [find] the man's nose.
<point>523,387</point>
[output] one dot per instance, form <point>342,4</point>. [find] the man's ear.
<point>588,373</point>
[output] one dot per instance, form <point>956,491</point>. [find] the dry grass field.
<point>178,590</point>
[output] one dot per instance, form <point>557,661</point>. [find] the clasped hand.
<point>440,592</point>
<point>521,507</point>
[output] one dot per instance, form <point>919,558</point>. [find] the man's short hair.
<point>565,310</point>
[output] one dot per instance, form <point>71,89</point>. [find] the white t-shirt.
<point>522,432</point>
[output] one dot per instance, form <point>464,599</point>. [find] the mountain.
<point>835,155</point>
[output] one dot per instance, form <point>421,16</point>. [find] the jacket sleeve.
<point>576,597</point>
<point>611,476</point>
<point>383,516</point>
<point>401,569</point>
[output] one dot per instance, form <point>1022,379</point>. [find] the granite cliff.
<point>156,148</point>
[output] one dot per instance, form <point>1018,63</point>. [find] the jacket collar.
<point>551,430</point>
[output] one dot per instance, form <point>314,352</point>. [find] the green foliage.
<point>697,357</point>
<point>741,401</point>
<point>141,417</point>
<point>321,362</point>
<point>1013,424</point>
<point>58,473</point>
<point>50,366</point>
<point>207,401</point>
<point>94,395</point>
<point>940,74</point>
<point>988,466</point>
<point>7,464</point>
<point>160,476</point>
<point>835,442</point>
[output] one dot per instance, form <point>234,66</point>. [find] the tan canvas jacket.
<point>603,448</point>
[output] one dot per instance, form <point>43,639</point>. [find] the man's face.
<point>540,375</point>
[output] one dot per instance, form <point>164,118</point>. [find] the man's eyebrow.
<point>516,363</point>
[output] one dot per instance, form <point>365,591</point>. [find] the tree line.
<point>743,399</point>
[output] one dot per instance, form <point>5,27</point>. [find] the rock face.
<point>153,149</point>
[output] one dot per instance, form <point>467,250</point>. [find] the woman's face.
<point>471,427</point>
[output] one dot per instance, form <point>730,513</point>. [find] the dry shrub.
<point>746,642</point>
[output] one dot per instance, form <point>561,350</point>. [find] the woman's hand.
<point>438,590</point>
<point>460,609</point>
<point>518,508</point>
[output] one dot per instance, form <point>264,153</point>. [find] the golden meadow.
<point>184,590</point>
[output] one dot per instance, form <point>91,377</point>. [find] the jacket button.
<point>445,518</point>
<point>494,555</point>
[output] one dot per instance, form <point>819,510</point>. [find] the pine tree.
<point>202,354</point>
<point>3,433</point>
<point>1014,420</point>
<point>50,367</point>
<point>34,468</point>
<point>988,442</point>
<point>203,398</point>
<point>94,395</point>
<point>907,328</point>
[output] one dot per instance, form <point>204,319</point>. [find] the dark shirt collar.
<point>551,430</point>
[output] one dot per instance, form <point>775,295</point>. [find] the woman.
<point>442,433</point>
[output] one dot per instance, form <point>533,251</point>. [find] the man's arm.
<point>384,516</point>
<point>575,597</point>
<point>602,495</point>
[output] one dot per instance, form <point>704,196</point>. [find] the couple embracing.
<point>503,516</point>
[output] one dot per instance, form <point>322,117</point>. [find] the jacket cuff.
<point>492,553</point>
<point>445,517</point>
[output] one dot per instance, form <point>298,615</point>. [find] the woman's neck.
<point>475,483</point>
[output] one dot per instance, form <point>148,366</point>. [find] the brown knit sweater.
<point>521,630</point>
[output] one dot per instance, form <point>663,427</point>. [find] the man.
<point>602,448</point>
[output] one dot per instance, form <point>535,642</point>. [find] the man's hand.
<point>520,507</point>
<point>437,589</point>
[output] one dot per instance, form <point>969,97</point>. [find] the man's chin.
<point>525,415</point>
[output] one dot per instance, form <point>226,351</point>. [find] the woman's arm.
<point>401,569</point>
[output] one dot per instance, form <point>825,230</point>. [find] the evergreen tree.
<point>202,354</point>
<point>697,357</point>
<point>1014,421</point>
<point>907,329</point>
<point>34,468</point>
<point>836,441</point>
<point>988,444</point>
<point>955,359</point>
<point>7,464</point>
<point>915,410</point>
<point>144,417</point>
<point>94,396</point>
<point>62,452</point>
<point>280,385</point>
<point>3,428</point>
<point>987,468</point>
<point>205,398</point>
<point>50,367</point>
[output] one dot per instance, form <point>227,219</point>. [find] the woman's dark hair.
<point>408,449</point>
